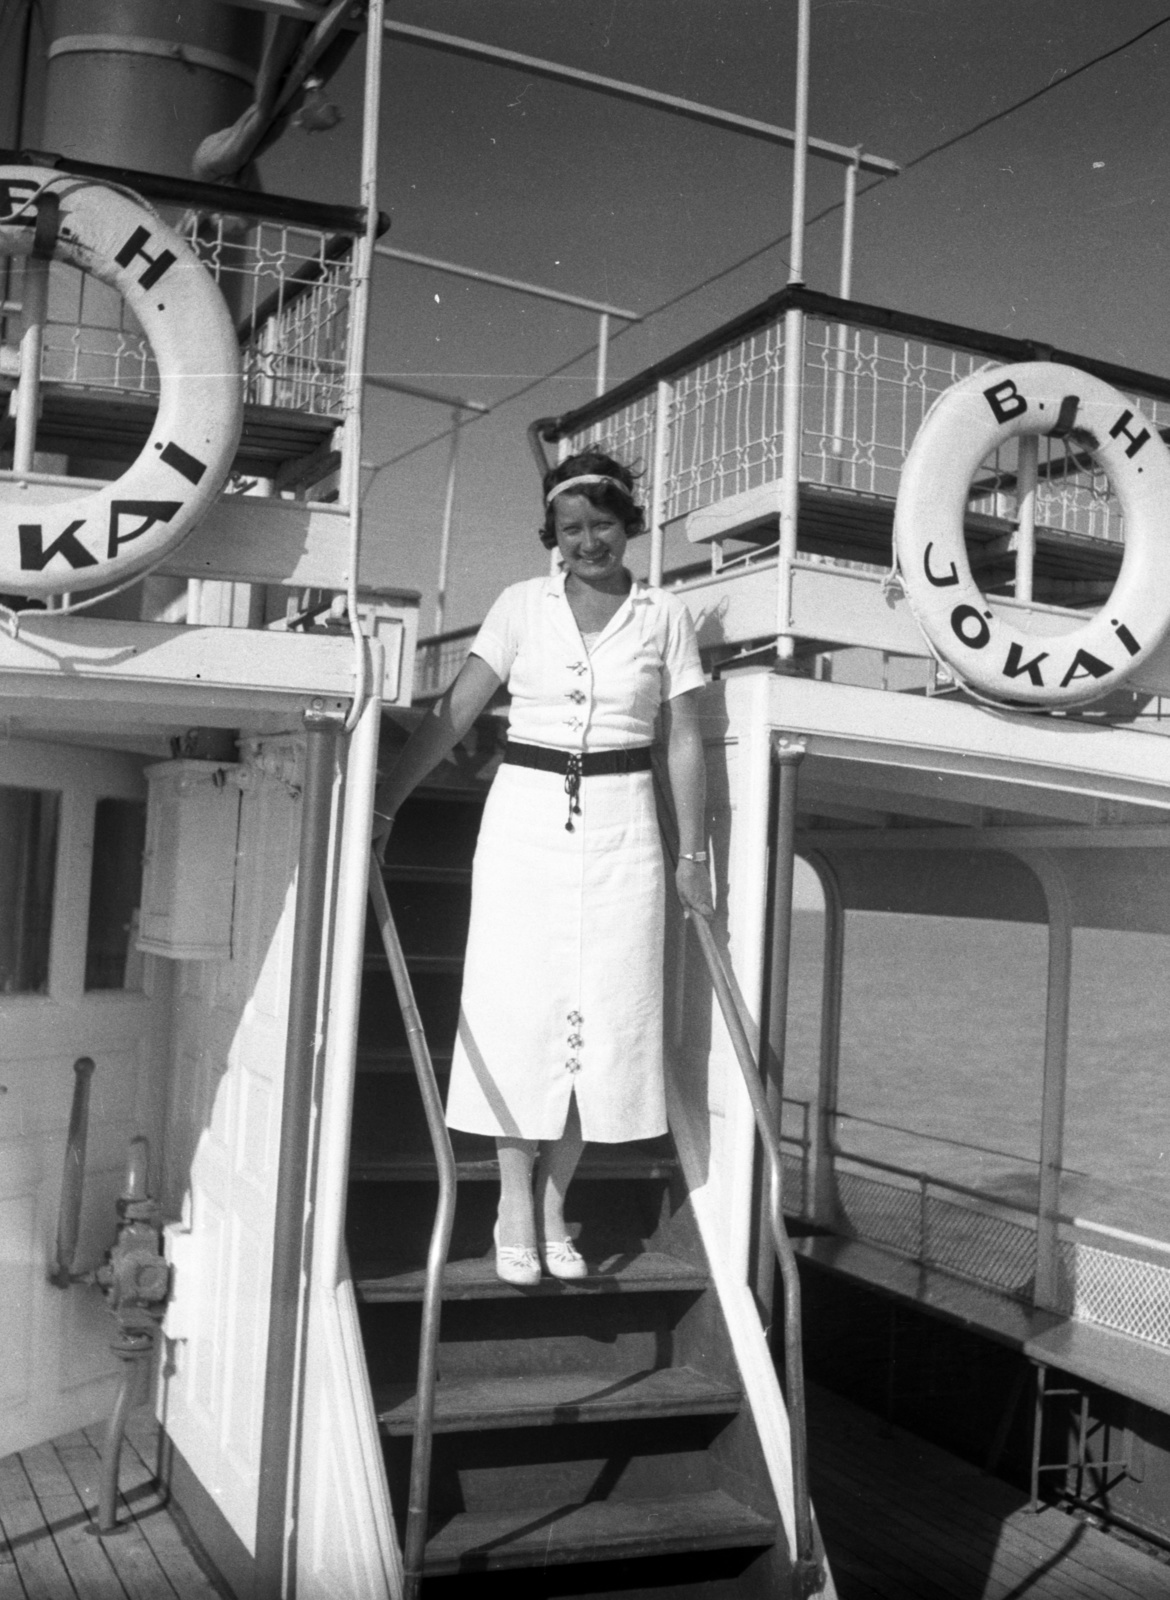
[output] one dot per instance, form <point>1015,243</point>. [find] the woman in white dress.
<point>560,1025</point>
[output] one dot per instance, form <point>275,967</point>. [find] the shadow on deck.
<point>48,1506</point>
<point>904,1520</point>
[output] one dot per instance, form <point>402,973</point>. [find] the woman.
<point>560,1027</point>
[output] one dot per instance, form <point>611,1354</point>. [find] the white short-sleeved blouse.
<point>602,698</point>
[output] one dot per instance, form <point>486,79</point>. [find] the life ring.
<point>109,534</point>
<point>984,650</point>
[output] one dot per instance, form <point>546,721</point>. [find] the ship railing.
<point>705,425</point>
<point>740,1028</point>
<point>1115,1277</point>
<point>418,1497</point>
<point>283,265</point>
<point>438,660</point>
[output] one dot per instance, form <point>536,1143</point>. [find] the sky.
<point>1052,223</point>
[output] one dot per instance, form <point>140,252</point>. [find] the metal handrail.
<point>73,1177</point>
<point>414,1545</point>
<point>807,1565</point>
<point>948,1184</point>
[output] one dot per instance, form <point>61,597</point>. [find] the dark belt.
<point>577,764</point>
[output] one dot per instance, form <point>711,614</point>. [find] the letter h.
<point>1136,440</point>
<point>155,265</point>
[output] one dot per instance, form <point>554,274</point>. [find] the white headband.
<point>585,477</point>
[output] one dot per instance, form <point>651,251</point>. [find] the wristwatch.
<point>692,855</point>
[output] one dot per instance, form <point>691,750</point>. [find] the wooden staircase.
<point>592,1437</point>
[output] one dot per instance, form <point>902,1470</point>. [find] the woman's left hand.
<point>693,882</point>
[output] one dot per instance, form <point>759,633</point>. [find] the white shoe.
<point>516,1263</point>
<point>563,1259</point>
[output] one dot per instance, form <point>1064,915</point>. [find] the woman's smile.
<point>591,540</point>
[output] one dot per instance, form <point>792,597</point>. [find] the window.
<point>112,960</point>
<point>29,823</point>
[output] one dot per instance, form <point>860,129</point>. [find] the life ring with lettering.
<point>109,534</point>
<point>984,650</point>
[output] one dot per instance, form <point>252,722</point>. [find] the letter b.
<point>1005,400</point>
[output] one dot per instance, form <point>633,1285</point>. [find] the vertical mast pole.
<point>844,291</point>
<point>1027,477</point>
<point>359,327</point>
<point>662,405</point>
<point>448,517</point>
<point>602,350</point>
<point>793,357</point>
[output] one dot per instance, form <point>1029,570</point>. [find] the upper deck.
<point>708,428</point>
<point>277,547</point>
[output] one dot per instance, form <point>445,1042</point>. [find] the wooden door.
<point>71,984</point>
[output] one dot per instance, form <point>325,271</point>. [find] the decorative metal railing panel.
<point>628,434</point>
<point>1120,1292</point>
<point>437,661</point>
<point>994,1249</point>
<point>865,394</point>
<point>287,287</point>
<point>865,391</point>
<point>991,1242</point>
<point>725,435</point>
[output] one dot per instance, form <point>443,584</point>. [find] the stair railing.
<point>73,1177</point>
<point>808,1567</point>
<point>414,1545</point>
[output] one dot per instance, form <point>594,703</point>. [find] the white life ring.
<point>109,534</point>
<point>963,426</point>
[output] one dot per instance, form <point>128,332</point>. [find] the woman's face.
<point>591,540</point>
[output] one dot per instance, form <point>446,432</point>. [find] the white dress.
<point>562,987</point>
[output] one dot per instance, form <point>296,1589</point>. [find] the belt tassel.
<point>573,790</point>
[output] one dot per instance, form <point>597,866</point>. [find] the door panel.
<point>58,1371</point>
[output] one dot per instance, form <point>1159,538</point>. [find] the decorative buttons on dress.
<point>575,1041</point>
<point>577,696</point>
<point>575,723</point>
<point>578,667</point>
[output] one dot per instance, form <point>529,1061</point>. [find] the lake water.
<point>943,1037</point>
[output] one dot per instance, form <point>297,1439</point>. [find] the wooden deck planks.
<point>904,1519</point>
<point>955,1529</point>
<point>67,1520</point>
<point>48,1501</point>
<point>140,1495</point>
<point>989,1515</point>
<point>11,1587</point>
<point>129,1553</point>
<point>36,1560</point>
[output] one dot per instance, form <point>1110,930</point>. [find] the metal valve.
<point>136,1280</point>
<point>135,1277</point>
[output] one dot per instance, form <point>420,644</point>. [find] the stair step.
<point>423,874</point>
<point>599,1530</point>
<point>397,1058</point>
<point>476,1279</point>
<point>414,1168</point>
<point>375,961</point>
<point>545,1399</point>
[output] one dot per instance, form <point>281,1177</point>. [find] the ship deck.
<point>901,1520</point>
<point>48,1500</point>
<point>904,1520</point>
